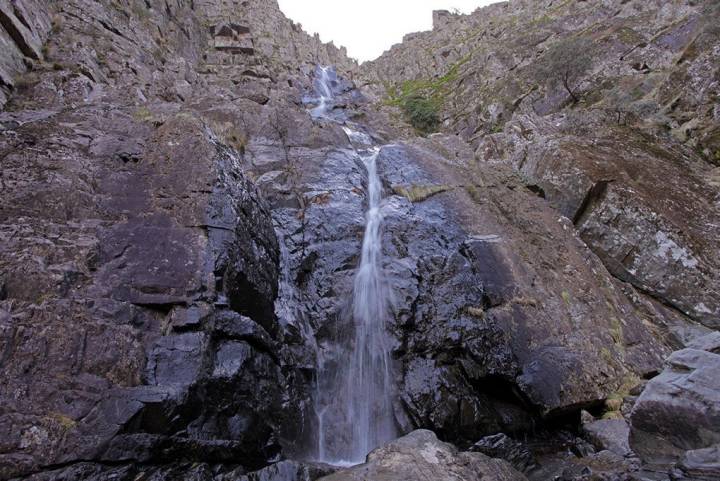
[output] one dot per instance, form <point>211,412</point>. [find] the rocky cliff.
<point>180,237</point>
<point>627,149</point>
<point>139,262</point>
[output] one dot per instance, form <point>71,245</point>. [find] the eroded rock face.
<point>420,455</point>
<point>643,207</point>
<point>25,26</point>
<point>470,297</point>
<point>151,335</point>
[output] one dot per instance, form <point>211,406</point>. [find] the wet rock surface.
<point>179,237</point>
<point>473,374</point>
<point>503,447</point>
<point>139,262</point>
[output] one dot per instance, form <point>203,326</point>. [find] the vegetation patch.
<point>422,100</point>
<point>143,114</point>
<point>421,113</point>
<point>566,297</point>
<point>477,312</point>
<point>65,422</point>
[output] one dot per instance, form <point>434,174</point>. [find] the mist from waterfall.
<point>355,387</point>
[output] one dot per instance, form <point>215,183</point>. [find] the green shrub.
<point>422,113</point>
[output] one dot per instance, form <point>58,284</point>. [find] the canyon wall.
<point>179,237</point>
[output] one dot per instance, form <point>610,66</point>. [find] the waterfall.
<point>323,87</point>
<point>355,387</point>
<point>369,380</point>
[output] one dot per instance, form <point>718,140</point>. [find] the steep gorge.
<point>182,221</point>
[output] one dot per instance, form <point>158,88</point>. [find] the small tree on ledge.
<point>566,62</point>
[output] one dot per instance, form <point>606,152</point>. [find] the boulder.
<point>610,434</point>
<point>679,411</point>
<point>420,456</point>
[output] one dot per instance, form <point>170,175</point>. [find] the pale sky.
<point>369,27</point>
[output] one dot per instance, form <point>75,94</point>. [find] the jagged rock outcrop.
<point>25,26</point>
<point>503,447</point>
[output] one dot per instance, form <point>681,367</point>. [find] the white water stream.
<point>355,382</point>
<point>323,87</point>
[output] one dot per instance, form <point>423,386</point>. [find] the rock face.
<point>630,163</point>
<point>179,238</point>
<point>678,414</point>
<point>491,365</point>
<point>420,455</point>
<point>25,26</point>
<point>139,264</point>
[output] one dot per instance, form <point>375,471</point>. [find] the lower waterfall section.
<point>369,377</point>
<point>355,385</point>
<point>355,390</point>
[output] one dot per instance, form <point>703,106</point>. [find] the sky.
<point>369,27</point>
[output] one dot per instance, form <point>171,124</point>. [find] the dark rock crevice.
<point>592,199</point>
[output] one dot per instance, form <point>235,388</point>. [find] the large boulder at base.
<point>679,410</point>
<point>610,434</point>
<point>421,456</point>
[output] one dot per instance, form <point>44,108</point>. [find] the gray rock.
<point>609,434</point>
<point>709,343</point>
<point>679,410</point>
<point>420,456</point>
<point>702,464</point>
<point>503,447</point>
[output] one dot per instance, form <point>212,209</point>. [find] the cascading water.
<point>355,385</point>
<point>369,380</point>
<point>323,88</point>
